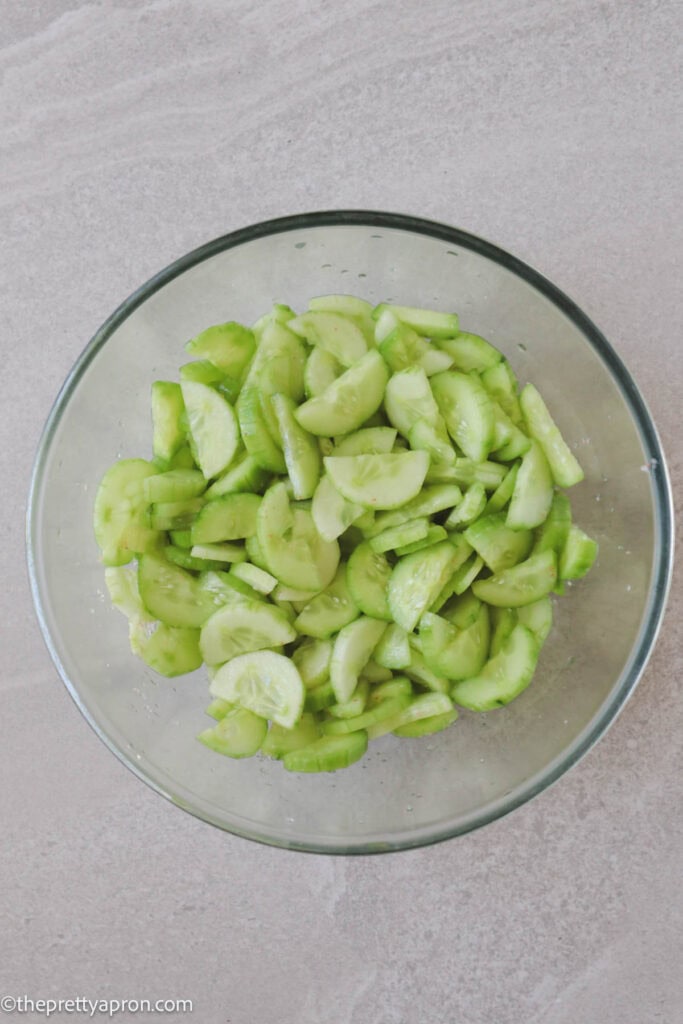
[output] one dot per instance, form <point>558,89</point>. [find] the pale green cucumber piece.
<point>471,352</point>
<point>503,492</point>
<point>254,577</point>
<point>338,335</point>
<point>332,513</point>
<point>174,596</point>
<point>281,741</point>
<point>429,322</point>
<point>229,388</point>
<point>468,411</point>
<point>563,464</point>
<point>503,621</point>
<point>465,472</point>
<point>378,481</point>
<point>553,532</point>
<point>393,650</point>
<point>203,371</point>
<point>375,673</point>
<point>244,475</point>
<point>429,502</point>
<point>416,581</point>
<point>400,686</point>
<point>379,712</point>
<point>254,553</point>
<point>302,455</point>
<point>578,554</point>
<point>293,549</point>
<point>329,611</point>
<point>181,538</point>
<point>452,652</point>
<point>469,509</point>
<point>385,323</point>
<point>175,485</point>
<point>346,404</point>
<point>120,515</point>
<point>498,545</point>
<point>227,587</point>
<point>538,617</point>
<point>409,400</point>
<point>231,517</point>
<point>264,682</point>
<point>402,348</point>
<point>242,627</point>
<point>283,593</point>
<point>122,586</point>
<point>462,610</point>
<point>229,346</point>
<point>186,560</point>
<point>503,677</point>
<point>424,436</point>
<point>320,697</point>
<point>218,709</point>
<point>526,582</point>
<point>397,536</point>
<point>279,362</point>
<point>240,733</point>
<point>501,384</point>
<point>369,441</point>
<point>422,707</point>
<point>321,370</point>
<point>174,515</point>
<point>257,438</point>
<point>434,535</point>
<point>465,576</point>
<point>351,652</point>
<point>212,425</point>
<point>312,658</point>
<point>368,575</point>
<point>420,672</point>
<point>533,493</point>
<point>328,753</point>
<point>435,360</point>
<point>513,441</point>
<point>462,551</point>
<point>168,419</point>
<point>182,459</point>
<point>355,705</point>
<point>219,552</point>
<point>346,305</point>
<point>427,726</point>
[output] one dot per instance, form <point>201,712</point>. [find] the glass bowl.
<point>404,793</point>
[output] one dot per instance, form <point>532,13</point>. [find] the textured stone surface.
<point>131,131</point>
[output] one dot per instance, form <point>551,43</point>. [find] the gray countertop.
<point>133,131</point>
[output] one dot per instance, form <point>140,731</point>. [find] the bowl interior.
<point>404,792</point>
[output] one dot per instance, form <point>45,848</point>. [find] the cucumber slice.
<point>293,549</point>
<point>120,515</point>
<point>378,713</point>
<point>263,682</point>
<point>175,485</point>
<point>328,753</point>
<point>409,400</point>
<point>469,509</point>
<point>429,502</point>
<point>351,652</point>
<point>503,621</point>
<point>422,707</point>
<point>254,553</point>
<point>312,658</point>
<point>498,545</point>
<point>242,627</point>
<point>538,617</point>
<point>524,583</point>
<point>368,575</point>
<point>397,536</point>
<point>355,705</point>
<point>552,534</point>
<point>338,335</point>
<point>375,673</point>
<point>429,322</point>
<point>423,436</point>
<point>471,352</point>
<point>465,472</point>
<point>434,535</point>
<point>212,425</point>
<point>466,574</point>
<point>533,493</point>
<point>231,517</point>
<point>503,677</point>
<point>427,726</point>
<point>257,438</point>
<point>398,687</point>
<point>346,305</point>
<point>563,464</point>
<point>281,741</point>
<point>168,419</point>
<point>369,441</point>
<point>421,673</point>
<point>329,611</point>
<point>578,554</point>
<point>174,596</point>
<point>510,442</point>
<point>320,697</point>
<point>332,513</point>
<point>393,650</point>
<point>346,404</point>
<point>402,348</point>
<point>455,653</point>
<point>279,362</point>
<point>254,577</point>
<point>302,455</point>
<point>217,709</point>
<point>183,459</point>
<point>434,360</point>
<point>244,474</point>
<point>385,323</point>
<point>174,515</point>
<point>181,538</point>
<point>240,733</point>
<point>378,481</point>
<point>321,370</point>
<point>503,492</point>
<point>501,384</point>
<point>229,346</point>
<point>468,411</point>
<point>416,582</point>
<point>203,371</point>
<point>186,560</point>
<point>462,610</point>
<point>461,553</point>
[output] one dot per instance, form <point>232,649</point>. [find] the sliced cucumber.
<point>319,697</point>
<point>329,611</point>
<point>328,753</point>
<point>302,455</point>
<point>218,552</point>
<point>462,610</point>
<point>498,545</point>
<point>503,677</point>
<point>427,437</point>
<point>368,575</point>
<point>538,617</point>
<point>338,335</point>
<point>322,369</point>
<point>355,705</point>
<point>378,481</point>
<point>254,577</point>
<point>369,441</point>
<point>174,485</point>
<point>203,371</point>
<point>425,321</point>
<point>375,673</point>
<point>423,708</point>
<point>168,419</point>
<point>352,649</point>
<point>434,535</point>
<point>501,384</point>
<point>332,513</point>
<point>563,464</point>
<point>578,554</point>
<point>464,577</point>
<point>373,716</point>
<point>428,725</point>
<point>257,438</point>
<point>312,658</point>
<point>346,305</point>
<point>503,492</point>
<point>281,741</point>
<point>174,515</point>
<point>533,492</point>
<point>434,360</point>
<point>471,352</point>
<point>240,733</point>
<point>231,517</point>
<point>409,400</point>
<point>465,472</point>
<point>176,597</point>
<point>120,518</point>
<point>217,709</point>
<point>293,549</point>
<point>421,673</point>
<point>398,536</point>
<point>503,621</point>
<point>455,653</point>
<point>346,404</point>
<point>393,650</point>
<point>430,501</point>
<point>469,509</point>
<point>244,474</point>
<point>552,534</point>
<point>402,348</point>
<point>468,411</point>
<point>228,346</point>
<point>212,425</point>
<point>416,582</point>
<point>263,682</point>
<point>242,627</point>
<point>526,582</point>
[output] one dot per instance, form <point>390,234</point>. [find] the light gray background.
<point>131,132</point>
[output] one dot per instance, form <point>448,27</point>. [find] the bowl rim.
<point>659,481</point>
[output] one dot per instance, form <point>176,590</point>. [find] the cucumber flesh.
<point>522,584</point>
<point>168,419</point>
<point>563,464</point>
<point>470,352</point>
<point>244,474</point>
<point>368,574</point>
<point>212,425</point>
<point>229,347</point>
<point>533,492</point>
<point>292,548</point>
<point>329,611</point>
<point>120,518</point>
<point>302,455</point>
<point>312,658</point>
<point>468,412</point>
<point>328,753</point>
<point>338,335</point>
<point>263,682</point>
<point>409,400</point>
<point>398,536</point>
<point>321,370</point>
<point>578,554</point>
<point>378,481</point>
<point>352,649</point>
<point>332,513</point>
<point>393,650</point>
<point>242,627</point>
<point>369,441</point>
<point>552,534</point>
<point>416,581</point>
<point>385,709</point>
<point>346,404</point>
<point>434,535</point>
<point>503,677</point>
<point>355,705</point>
<point>428,322</point>
<point>498,545</point>
<point>454,653</point>
<point>239,733</point>
<point>231,517</point>
<point>281,741</point>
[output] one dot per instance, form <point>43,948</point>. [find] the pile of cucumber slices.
<point>354,518</point>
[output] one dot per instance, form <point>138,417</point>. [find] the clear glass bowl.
<point>404,793</point>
